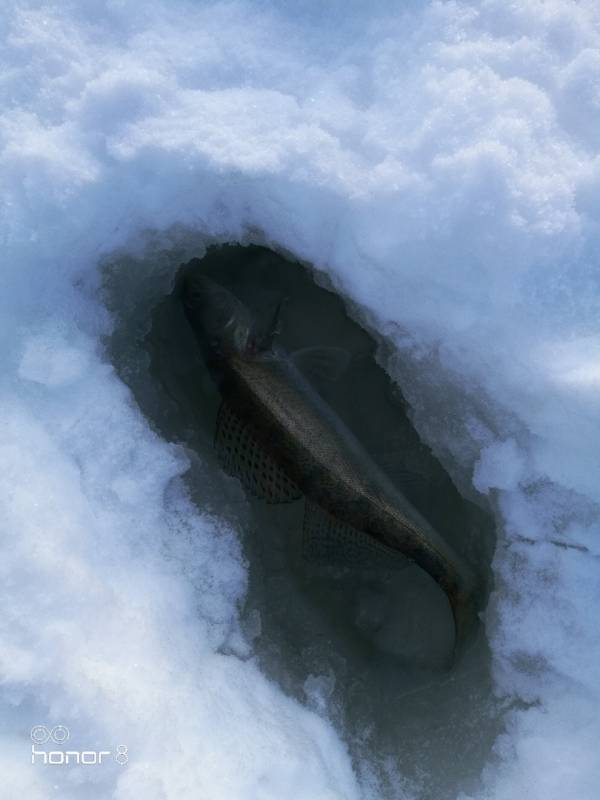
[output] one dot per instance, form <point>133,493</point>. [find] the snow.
<point>440,163</point>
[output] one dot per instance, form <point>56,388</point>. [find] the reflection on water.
<point>362,646</point>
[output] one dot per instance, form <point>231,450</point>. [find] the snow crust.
<point>440,163</point>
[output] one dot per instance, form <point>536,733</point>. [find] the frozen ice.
<point>500,466</point>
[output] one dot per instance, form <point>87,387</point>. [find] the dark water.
<point>365,648</point>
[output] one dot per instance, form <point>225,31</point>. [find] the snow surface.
<point>441,163</point>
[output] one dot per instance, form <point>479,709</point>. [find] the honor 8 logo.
<point>60,734</point>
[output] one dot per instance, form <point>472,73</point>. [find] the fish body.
<point>312,446</point>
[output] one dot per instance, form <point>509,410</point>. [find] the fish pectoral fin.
<point>407,480</point>
<point>408,467</point>
<point>242,457</point>
<point>331,542</point>
<point>322,364</point>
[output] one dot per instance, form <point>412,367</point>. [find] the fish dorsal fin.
<point>322,364</point>
<point>416,480</point>
<point>329,542</point>
<point>410,465</point>
<point>274,328</point>
<point>242,457</point>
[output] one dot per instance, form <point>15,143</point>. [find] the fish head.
<point>222,323</point>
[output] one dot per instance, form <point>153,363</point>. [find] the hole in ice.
<point>368,647</point>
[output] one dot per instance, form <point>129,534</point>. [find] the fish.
<point>284,441</point>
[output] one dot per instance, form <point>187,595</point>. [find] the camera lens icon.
<point>39,734</point>
<point>59,734</point>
